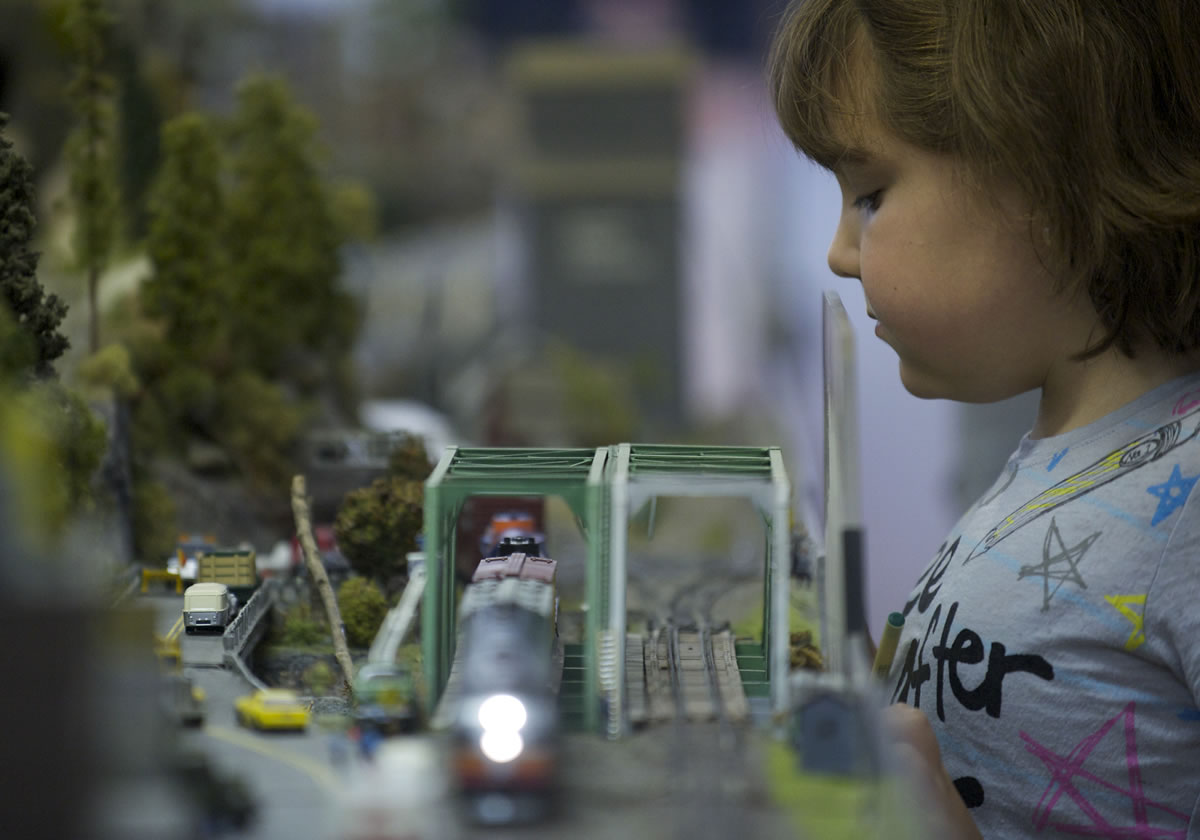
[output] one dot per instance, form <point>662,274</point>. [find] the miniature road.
<point>289,774</point>
<point>168,609</point>
<point>204,649</point>
<point>673,781</point>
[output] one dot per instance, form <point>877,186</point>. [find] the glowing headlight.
<point>501,746</point>
<point>502,713</point>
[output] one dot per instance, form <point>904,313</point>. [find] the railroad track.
<point>693,681</point>
<point>708,752</point>
<point>691,674</point>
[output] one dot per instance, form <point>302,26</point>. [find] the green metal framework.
<point>602,487</point>
<point>640,472</point>
<point>576,475</point>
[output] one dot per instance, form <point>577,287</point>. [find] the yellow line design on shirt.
<point>1140,451</point>
<point>1138,637</point>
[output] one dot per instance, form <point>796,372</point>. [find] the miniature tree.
<point>37,314</point>
<point>283,242</point>
<point>47,425</point>
<point>17,353</point>
<point>188,290</point>
<point>79,439</point>
<point>91,150</point>
<point>200,386</point>
<point>48,434</point>
<point>154,511</point>
<point>378,525</point>
<point>409,459</point>
<point>258,425</point>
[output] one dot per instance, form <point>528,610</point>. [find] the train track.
<point>695,686</point>
<point>703,683</point>
<point>708,753</point>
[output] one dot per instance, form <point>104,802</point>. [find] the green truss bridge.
<point>603,487</point>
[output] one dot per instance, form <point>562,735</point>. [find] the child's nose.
<point>843,254</point>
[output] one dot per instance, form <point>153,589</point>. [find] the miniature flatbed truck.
<point>233,567</point>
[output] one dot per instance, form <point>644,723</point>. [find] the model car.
<point>272,708</point>
<point>208,606</point>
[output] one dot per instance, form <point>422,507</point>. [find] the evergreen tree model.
<point>283,241</point>
<point>189,289</point>
<point>91,150</point>
<point>35,312</point>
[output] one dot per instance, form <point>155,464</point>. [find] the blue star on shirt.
<point>1172,493</point>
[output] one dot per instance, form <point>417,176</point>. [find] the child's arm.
<point>917,749</point>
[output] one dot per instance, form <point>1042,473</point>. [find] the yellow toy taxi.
<point>272,708</point>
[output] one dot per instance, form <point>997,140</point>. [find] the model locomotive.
<point>506,731</point>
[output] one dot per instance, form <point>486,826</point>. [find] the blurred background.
<point>558,223</point>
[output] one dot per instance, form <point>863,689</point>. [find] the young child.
<point>1021,203</point>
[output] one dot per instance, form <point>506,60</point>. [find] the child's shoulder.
<point>1162,424</point>
<point>1128,480</point>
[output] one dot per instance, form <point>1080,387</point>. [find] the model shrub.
<point>318,677</point>
<point>377,526</point>
<point>363,607</point>
<point>300,628</point>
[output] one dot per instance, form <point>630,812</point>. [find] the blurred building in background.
<point>597,193</point>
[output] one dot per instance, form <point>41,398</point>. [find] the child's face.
<point>950,273</point>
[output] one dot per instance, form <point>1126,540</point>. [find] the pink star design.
<point>1064,769</point>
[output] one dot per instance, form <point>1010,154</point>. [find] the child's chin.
<point>927,386</point>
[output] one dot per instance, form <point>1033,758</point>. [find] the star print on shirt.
<point>1122,602</point>
<point>1064,769</point>
<point>1172,493</point>
<point>1059,563</point>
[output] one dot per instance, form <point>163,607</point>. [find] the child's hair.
<point>1092,107</point>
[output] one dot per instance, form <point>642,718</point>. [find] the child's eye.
<point>870,201</point>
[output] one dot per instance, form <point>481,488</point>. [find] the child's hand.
<point>916,748</point>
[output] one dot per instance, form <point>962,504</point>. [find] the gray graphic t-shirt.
<point>1054,641</point>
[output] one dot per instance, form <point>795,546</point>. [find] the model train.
<point>506,730</point>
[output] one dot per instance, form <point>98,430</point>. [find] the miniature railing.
<point>161,575</point>
<point>246,622</point>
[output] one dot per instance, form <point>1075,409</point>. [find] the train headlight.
<point>501,745</point>
<point>502,714</point>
